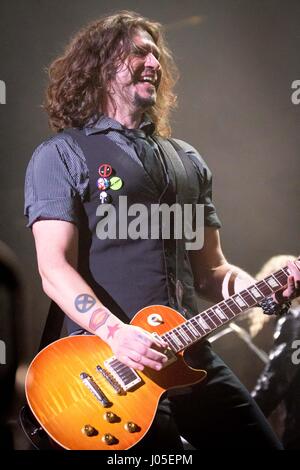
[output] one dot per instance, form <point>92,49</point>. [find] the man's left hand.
<point>292,289</point>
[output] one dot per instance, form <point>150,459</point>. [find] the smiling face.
<point>135,85</point>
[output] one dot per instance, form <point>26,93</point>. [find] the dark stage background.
<point>237,59</point>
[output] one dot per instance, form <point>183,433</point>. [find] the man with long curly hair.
<point>109,99</point>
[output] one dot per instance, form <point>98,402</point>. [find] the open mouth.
<point>151,79</point>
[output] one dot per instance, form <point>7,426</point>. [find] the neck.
<point>130,118</point>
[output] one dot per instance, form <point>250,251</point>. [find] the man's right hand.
<point>137,348</point>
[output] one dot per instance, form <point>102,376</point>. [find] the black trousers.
<point>217,413</point>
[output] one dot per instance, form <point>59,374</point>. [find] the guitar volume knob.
<point>109,439</point>
<point>131,427</point>
<point>111,417</point>
<point>89,430</point>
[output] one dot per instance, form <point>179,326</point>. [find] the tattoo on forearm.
<point>84,303</point>
<point>98,318</point>
<point>112,330</point>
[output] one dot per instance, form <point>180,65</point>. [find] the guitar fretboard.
<point>196,328</point>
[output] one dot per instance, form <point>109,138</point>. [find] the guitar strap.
<point>170,149</point>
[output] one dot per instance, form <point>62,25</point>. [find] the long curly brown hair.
<point>79,78</point>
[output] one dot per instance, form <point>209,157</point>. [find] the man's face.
<point>137,79</point>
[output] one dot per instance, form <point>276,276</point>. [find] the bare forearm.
<point>57,254</point>
<point>68,289</point>
<point>215,284</point>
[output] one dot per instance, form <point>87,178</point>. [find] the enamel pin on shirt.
<point>105,198</point>
<point>103,184</point>
<point>105,170</point>
<point>106,181</point>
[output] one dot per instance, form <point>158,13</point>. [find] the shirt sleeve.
<point>211,218</point>
<point>56,181</point>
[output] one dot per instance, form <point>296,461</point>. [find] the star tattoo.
<point>112,330</point>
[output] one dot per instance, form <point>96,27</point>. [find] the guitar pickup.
<point>95,389</point>
<point>125,376</point>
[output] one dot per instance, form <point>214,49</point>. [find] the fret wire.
<point>180,336</point>
<point>261,285</point>
<point>178,339</point>
<point>244,305</point>
<point>282,275</point>
<point>180,329</point>
<point>189,332</point>
<point>192,327</point>
<point>208,318</point>
<point>221,314</point>
<point>201,319</point>
<point>223,305</point>
<point>232,305</point>
<point>168,340</point>
<point>197,326</point>
<point>272,283</point>
<point>215,318</point>
<point>245,293</point>
<point>170,334</point>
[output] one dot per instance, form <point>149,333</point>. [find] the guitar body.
<point>64,405</point>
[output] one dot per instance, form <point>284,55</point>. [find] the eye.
<point>139,51</point>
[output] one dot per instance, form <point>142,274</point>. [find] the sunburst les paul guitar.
<point>85,398</point>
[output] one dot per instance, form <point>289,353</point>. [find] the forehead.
<point>142,38</point>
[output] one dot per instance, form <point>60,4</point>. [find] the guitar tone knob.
<point>155,319</point>
<point>131,427</point>
<point>89,430</point>
<point>111,417</point>
<point>109,439</point>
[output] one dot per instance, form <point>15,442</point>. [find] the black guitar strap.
<point>171,150</point>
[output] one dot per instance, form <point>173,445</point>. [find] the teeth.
<point>148,79</point>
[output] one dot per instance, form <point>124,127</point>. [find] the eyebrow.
<point>149,46</point>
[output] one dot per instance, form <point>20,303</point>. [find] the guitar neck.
<point>196,328</point>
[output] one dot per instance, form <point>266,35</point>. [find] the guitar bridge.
<point>95,389</point>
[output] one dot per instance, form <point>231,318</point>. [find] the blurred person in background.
<point>278,386</point>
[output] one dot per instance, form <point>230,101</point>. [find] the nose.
<point>152,61</point>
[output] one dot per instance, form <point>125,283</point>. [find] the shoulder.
<point>195,156</point>
<point>58,146</point>
<point>59,153</point>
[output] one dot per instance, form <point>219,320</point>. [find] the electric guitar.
<point>85,398</point>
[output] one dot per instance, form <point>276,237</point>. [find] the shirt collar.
<point>105,124</point>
